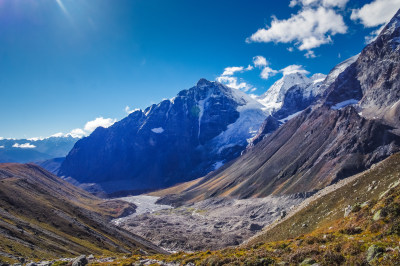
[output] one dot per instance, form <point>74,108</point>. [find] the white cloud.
<point>76,133</point>
<point>249,68</point>
<point>2,147</point>
<point>57,135</point>
<point>89,127</point>
<point>260,61</point>
<point>310,54</point>
<point>294,69</point>
<point>376,13</point>
<point>98,122</point>
<point>128,110</point>
<point>325,3</point>
<point>36,139</point>
<point>290,49</point>
<point>1,138</point>
<point>229,71</point>
<point>229,80</point>
<point>24,146</point>
<point>234,83</point>
<point>372,36</point>
<point>267,72</point>
<point>308,29</point>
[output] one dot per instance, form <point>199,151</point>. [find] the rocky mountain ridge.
<point>174,141</point>
<point>209,125</point>
<point>331,140</point>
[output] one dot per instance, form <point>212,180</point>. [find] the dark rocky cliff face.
<point>270,125</point>
<point>311,151</point>
<point>174,141</point>
<point>374,78</point>
<point>294,101</point>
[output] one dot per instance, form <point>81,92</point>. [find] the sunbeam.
<point>60,3</point>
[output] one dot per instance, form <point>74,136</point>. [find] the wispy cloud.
<point>2,147</point>
<point>325,3</point>
<point>310,54</point>
<point>62,7</point>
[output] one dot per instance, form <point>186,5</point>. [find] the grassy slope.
<point>321,232</point>
<point>42,216</point>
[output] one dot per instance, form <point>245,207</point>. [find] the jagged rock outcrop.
<point>270,125</point>
<point>315,149</point>
<point>374,78</point>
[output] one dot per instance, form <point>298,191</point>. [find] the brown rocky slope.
<point>42,216</point>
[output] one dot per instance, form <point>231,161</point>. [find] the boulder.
<point>373,252</point>
<point>347,211</point>
<point>255,227</point>
<point>308,261</point>
<point>80,261</point>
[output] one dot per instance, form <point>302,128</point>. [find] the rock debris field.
<point>207,225</point>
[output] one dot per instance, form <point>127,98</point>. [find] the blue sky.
<point>65,62</point>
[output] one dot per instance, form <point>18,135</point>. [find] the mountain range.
<point>186,137</point>
<point>173,141</point>
<point>308,173</point>
<point>35,150</point>
<point>353,125</point>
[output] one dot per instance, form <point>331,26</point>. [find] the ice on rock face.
<point>344,104</point>
<point>218,165</point>
<point>284,120</point>
<point>272,99</point>
<point>158,130</point>
<point>251,117</point>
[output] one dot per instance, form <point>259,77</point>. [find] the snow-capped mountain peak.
<point>273,98</point>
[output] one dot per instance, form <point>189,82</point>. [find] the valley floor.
<point>207,225</point>
<point>355,222</point>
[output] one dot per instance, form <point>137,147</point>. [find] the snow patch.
<point>201,105</point>
<point>145,204</point>
<point>344,104</point>
<point>318,81</point>
<point>158,130</point>
<point>273,98</point>
<point>251,117</point>
<point>395,104</point>
<point>284,120</point>
<point>218,165</point>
